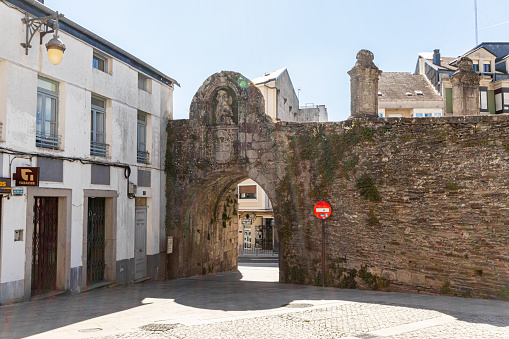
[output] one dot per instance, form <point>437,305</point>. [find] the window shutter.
<point>247,189</point>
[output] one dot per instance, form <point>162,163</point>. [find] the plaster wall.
<point>287,101</point>
<point>78,81</point>
<point>13,252</point>
<point>410,104</point>
<point>270,96</point>
<point>315,114</point>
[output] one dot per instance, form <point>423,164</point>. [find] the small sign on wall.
<point>5,185</point>
<point>247,221</point>
<point>26,176</point>
<point>169,246</point>
<point>17,191</point>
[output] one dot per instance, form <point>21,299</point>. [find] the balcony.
<point>143,157</point>
<point>47,141</point>
<point>99,149</point>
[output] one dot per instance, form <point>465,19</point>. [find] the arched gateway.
<point>419,205</point>
<point>227,139</point>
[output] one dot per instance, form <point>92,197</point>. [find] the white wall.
<point>78,81</point>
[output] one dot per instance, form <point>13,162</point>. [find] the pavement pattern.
<point>251,303</point>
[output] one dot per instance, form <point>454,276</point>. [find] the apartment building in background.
<point>490,61</point>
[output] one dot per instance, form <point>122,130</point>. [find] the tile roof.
<point>498,49</point>
<point>444,62</point>
<point>403,86</point>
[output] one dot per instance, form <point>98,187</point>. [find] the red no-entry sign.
<point>322,210</point>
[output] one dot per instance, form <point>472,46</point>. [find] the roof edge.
<point>70,27</point>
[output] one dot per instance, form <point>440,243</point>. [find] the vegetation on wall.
<point>367,188</point>
<point>335,154</point>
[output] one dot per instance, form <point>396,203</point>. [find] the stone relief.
<point>224,146</point>
<point>224,111</point>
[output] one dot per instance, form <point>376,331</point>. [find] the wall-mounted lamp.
<point>55,46</point>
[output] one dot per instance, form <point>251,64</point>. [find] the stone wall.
<point>419,205</point>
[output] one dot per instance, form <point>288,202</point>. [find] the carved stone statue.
<point>224,111</point>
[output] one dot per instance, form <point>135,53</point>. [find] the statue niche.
<point>225,107</point>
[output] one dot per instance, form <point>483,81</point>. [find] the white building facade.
<point>95,126</point>
<point>257,230</point>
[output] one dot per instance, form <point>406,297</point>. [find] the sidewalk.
<point>251,304</point>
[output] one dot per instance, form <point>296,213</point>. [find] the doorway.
<point>140,239</point>
<point>44,245</point>
<point>96,234</point>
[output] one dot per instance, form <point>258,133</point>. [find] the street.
<point>250,303</point>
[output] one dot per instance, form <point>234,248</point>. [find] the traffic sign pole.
<point>322,211</point>
<point>323,252</point>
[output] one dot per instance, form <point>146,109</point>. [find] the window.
<point>99,62</point>
<point>487,68</point>
<point>98,145</point>
<point>143,155</point>
<point>427,115</point>
<point>247,192</point>
<point>46,134</point>
<point>475,66</point>
<point>143,82</point>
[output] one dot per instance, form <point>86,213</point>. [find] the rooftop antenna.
<point>476,31</point>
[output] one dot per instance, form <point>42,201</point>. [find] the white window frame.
<point>145,83</point>
<point>101,58</point>
<point>142,125</point>
<point>95,111</point>
<point>47,139</point>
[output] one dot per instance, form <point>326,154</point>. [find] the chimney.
<point>436,57</point>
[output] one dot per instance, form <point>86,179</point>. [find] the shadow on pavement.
<point>224,292</point>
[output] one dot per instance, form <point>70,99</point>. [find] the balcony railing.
<point>143,157</point>
<point>99,149</point>
<point>308,105</point>
<point>47,141</point>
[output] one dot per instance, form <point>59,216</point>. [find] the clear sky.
<point>316,40</point>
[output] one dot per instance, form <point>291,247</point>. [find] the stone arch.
<point>214,155</point>
<point>207,241</point>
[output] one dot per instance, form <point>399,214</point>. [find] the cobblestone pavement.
<point>355,320</point>
<point>250,303</point>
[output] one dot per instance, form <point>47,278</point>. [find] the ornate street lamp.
<point>55,46</point>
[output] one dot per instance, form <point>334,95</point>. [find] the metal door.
<point>96,240</point>
<point>140,243</point>
<point>44,245</point>
<point>247,237</point>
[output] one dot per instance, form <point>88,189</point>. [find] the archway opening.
<point>258,239</point>
<point>227,216</point>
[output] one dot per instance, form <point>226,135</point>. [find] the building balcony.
<point>99,149</point>
<point>47,141</point>
<point>143,157</point>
